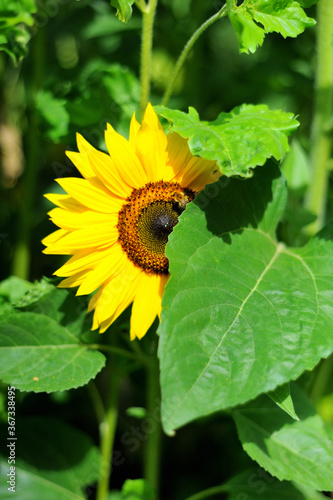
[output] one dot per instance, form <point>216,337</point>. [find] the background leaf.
<point>52,459</point>
<point>301,451</point>
<point>14,36</point>
<point>285,17</point>
<point>216,348</point>
<point>124,9</point>
<point>264,134</point>
<point>37,354</point>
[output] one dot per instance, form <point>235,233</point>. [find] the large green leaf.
<point>15,15</point>
<point>242,313</point>
<point>293,450</point>
<point>263,134</point>
<point>281,16</point>
<point>53,460</point>
<point>38,354</point>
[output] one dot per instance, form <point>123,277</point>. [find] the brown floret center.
<point>146,220</point>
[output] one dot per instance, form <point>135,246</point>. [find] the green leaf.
<point>59,304</point>
<point>53,460</point>
<point>285,17</point>
<point>137,489</point>
<point>13,288</point>
<point>54,115</point>
<point>296,168</point>
<point>301,451</point>
<point>15,15</point>
<point>255,482</point>
<point>241,313</point>
<point>281,396</point>
<point>37,354</point>
<point>264,134</point>
<point>124,9</point>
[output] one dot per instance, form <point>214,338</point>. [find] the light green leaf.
<point>263,134</point>
<point>257,483</point>
<point>53,460</point>
<point>281,16</point>
<point>13,288</point>
<point>124,9</point>
<point>37,354</point>
<point>296,168</point>
<point>301,451</point>
<point>137,489</point>
<point>281,396</point>
<point>54,115</point>
<point>242,314</point>
<point>15,15</point>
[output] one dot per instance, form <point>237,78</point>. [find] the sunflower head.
<point>115,221</point>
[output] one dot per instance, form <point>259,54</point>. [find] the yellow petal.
<point>123,156</point>
<point>93,236</point>
<point>112,264</point>
<point>74,280</point>
<point>151,145</point>
<point>90,193</point>
<point>65,201</point>
<point>80,159</point>
<point>199,172</point>
<point>68,220</point>
<point>147,304</point>
<point>134,127</point>
<point>54,237</point>
<point>117,294</point>
<point>83,259</point>
<point>106,171</point>
<point>178,152</point>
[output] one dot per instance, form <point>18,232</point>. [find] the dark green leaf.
<point>242,314</point>
<point>263,134</point>
<point>293,450</point>
<point>257,483</point>
<point>37,354</point>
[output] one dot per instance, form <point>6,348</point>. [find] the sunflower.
<point>115,221</point>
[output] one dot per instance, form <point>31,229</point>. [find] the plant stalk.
<point>186,50</point>
<point>210,492</point>
<point>148,16</point>
<point>153,444</point>
<point>107,430</point>
<point>321,141</point>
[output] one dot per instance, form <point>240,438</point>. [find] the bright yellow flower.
<point>115,221</point>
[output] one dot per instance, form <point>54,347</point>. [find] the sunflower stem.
<point>146,49</point>
<point>153,444</point>
<point>107,431</point>
<point>186,50</point>
<point>321,134</point>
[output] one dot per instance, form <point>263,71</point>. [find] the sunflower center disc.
<point>147,219</point>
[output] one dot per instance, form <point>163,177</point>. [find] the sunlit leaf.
<point>38,354</point>
<point>282,397</point>
<point>124,9</point>
<point>15,16</point>
<point>263,132</point>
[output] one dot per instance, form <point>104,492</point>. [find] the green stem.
<point>210,492</point>
<point>321,143</point>
<point>153,445</point>
<point>21,257</point>
<point>221,13</point>
<point>107,430</point>
<point>146,48</point>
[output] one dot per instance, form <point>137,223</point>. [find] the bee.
<point>181,199</point>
